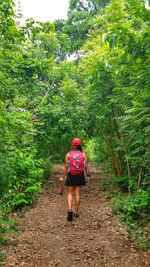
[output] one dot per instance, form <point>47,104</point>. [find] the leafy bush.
<point>131,207</point>
<point>123,183</point>
<point>134,210</point>
<point>47,166</point>
<point>26,182</point>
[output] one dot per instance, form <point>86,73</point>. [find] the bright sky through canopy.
<point>44,10</point>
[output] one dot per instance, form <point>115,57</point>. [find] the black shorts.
<point>75,180</point>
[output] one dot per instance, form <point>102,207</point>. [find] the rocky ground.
<point>95,239</point>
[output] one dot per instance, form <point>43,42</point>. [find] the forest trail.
<point>96,238</point>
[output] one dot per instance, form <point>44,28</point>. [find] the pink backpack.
<point>76,163</point>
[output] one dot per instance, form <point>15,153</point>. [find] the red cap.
<point>76,142</point>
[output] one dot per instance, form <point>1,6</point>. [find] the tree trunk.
<point>115,160</point>
<point>142,165</point>
<point>120,138</point>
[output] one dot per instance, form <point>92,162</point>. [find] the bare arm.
<point>86,166</point>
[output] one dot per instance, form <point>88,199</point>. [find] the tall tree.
<point>115,63</point>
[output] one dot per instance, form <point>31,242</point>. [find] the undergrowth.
<point>131,208</point>
<point>19,198</point>
<point>7,225</point>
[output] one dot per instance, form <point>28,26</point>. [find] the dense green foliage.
<point>102,96</point>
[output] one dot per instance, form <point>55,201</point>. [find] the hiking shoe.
<point>70,215</point>
<point>75,215</point>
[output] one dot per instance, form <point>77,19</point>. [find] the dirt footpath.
<point>95,239</point>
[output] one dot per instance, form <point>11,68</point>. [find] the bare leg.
<point>70,190</point>
<point>77,198</point>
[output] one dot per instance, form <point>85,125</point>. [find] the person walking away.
<point>75,170</point>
